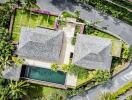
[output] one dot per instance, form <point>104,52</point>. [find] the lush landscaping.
<point>86,79</point>
<point>30,19</point>
<point>89,30</point>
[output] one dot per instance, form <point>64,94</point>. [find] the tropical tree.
<point>17,90</point>
<point>6,49</point>
<point>5,13</point>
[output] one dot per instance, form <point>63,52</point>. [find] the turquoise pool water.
<point>43,74</point>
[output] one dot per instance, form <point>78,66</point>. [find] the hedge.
<point>122,90</point>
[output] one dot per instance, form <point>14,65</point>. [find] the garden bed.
<point>118,65</point>
<point>30,19</point>
<point>84,80</point>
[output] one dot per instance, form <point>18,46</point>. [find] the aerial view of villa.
<point>65,49</point>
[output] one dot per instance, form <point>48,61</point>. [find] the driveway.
<point>111,86</point>
<point>108,23</point>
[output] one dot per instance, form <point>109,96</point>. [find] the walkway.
<point>111,86</point>
<point>114,26</point>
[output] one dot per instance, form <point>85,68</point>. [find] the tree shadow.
<point>69,5</point>
<point>64,4</point>
<point>34,92</point>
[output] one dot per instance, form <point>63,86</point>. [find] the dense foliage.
<point>14,90</point>
<point>5,13</point>
<point>6,49</point>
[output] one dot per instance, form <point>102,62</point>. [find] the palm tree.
<point>17,60</point>
<point>4,61</point>
<point>17,89</point>
<point>14,90</point>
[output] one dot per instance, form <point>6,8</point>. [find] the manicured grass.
<point>103,34</point>
<point>42,20</point>
<point>30,19</point>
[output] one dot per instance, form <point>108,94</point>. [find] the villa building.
<point>92,52</point>
<point>40,47</point>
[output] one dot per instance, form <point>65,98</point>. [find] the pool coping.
<point>46,83</point>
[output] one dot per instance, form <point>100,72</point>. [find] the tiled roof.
<point>40,44</point>
<point>92,52</point>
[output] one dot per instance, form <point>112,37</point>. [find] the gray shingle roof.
<point>12,72</point>
<point>92,52</point>
<point>40,44</point>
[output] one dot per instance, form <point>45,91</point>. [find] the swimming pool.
<point>43,74</point>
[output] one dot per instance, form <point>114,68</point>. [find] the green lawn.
<point>43,91</point>
<point>30,19</point>
<point>103,34</point>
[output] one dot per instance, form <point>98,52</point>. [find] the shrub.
<point>130,53</point>
<point>65,67</point>
<point>122,90</point>
<point>101,76</point>
<point>80,72</point>
<point>68,14</point>
<point>129,98</point>
<point>54,67</point>
<point>125,51</point>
